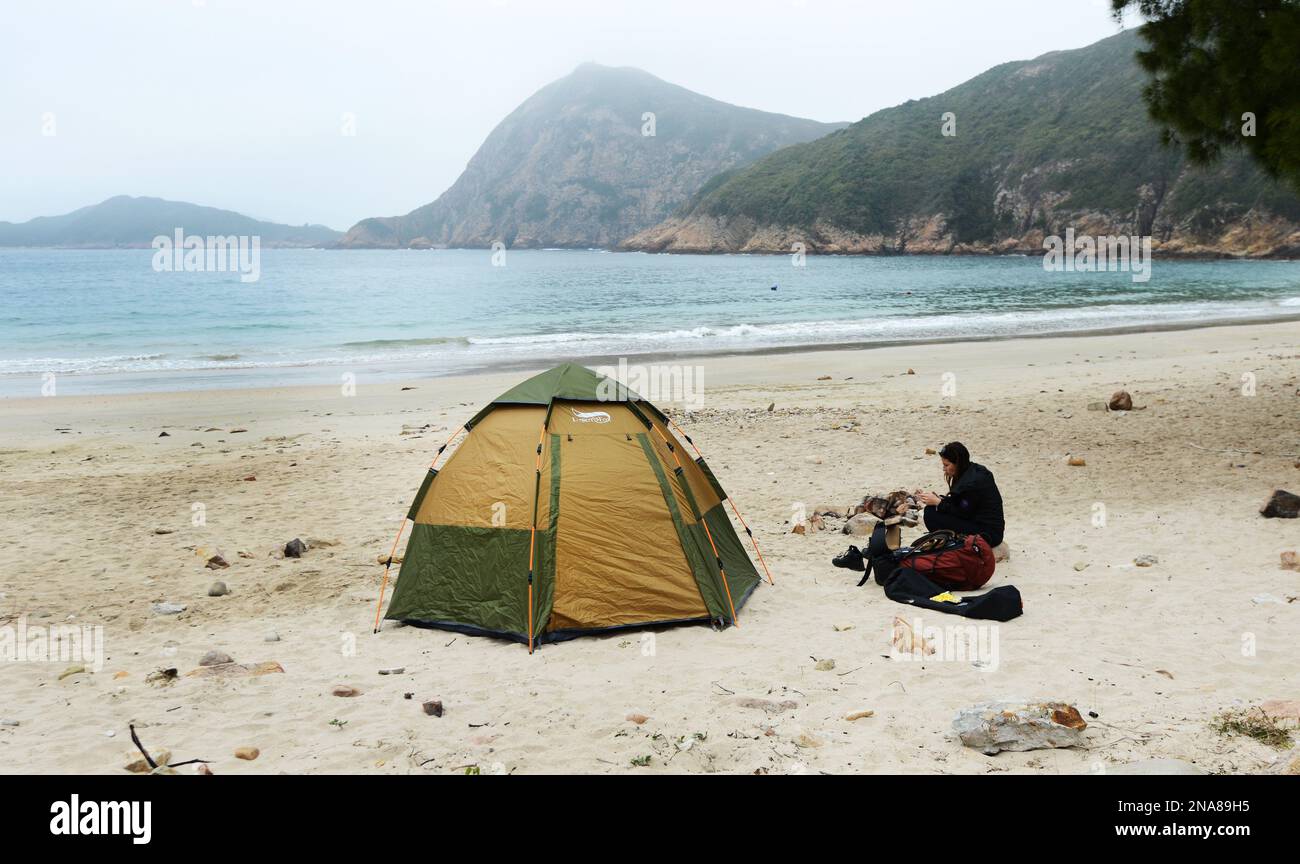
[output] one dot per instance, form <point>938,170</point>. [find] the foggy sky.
<point>240,104</point>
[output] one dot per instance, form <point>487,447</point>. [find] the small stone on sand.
<point>215,658</point>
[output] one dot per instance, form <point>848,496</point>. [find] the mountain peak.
<point>588,160</point>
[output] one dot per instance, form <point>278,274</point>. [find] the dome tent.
<point>569,508</point>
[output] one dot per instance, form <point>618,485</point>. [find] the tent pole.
<point>532,532</point>
<point>379,607</point>
<point>721,571</point>
<point>752,540</point>
<point>401,528</point>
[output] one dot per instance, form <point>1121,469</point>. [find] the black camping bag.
<point>882,553</point>
<point>907,586</point>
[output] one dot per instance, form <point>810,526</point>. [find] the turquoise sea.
<point>106,321</point>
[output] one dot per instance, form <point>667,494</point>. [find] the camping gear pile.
<point>926,572</point>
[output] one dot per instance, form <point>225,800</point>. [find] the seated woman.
<point>973,504</point>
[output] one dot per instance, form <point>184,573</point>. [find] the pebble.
<point>218,589</point>
<point>215,658</point>
<point>638,719</point>
<point>294,548</point>
<point>1080,566</point>
<point>272,636</point>
<point>216,562</point>
<point>433,708</point>
<point>1146,560</point>
<point>345,691</point>
<point>1282,505</point>
<point>247,753</point>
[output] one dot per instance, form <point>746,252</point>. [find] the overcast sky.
<point>240,104</point>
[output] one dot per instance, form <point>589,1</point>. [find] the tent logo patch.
<point>590,416</point>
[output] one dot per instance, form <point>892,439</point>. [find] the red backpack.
<point>960,562</point>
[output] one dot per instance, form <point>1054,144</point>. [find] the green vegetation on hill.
<point>1038,144</point>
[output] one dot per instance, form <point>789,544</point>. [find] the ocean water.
<point>105,321</point>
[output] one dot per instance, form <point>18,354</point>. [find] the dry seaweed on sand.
<point>1254,723</point>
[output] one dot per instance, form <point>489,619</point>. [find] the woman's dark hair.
<point>956,453</point>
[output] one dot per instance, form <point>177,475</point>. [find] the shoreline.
<point>1027,252</point>
<point>398,370</point>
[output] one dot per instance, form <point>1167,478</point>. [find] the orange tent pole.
<point>532,533</point>
<point>707,532</point>
<point>379,607</point>
<point>752,540</point>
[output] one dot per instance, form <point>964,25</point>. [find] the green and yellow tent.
<point>569,508</point>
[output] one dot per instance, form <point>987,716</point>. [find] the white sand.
<point>1156,652</point>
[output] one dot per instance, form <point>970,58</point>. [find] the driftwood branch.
<point>140,747</point>
<point>149,759</point>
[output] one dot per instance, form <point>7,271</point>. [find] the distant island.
<point>133,223</point>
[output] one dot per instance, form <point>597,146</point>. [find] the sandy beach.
<point>97,516</point>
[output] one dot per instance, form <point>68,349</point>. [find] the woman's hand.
<point>929,499</point>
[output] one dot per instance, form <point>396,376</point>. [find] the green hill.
<point>124,221</point>
<point>1040,145</point>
